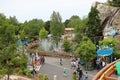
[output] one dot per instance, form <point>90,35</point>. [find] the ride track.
<point>106,72</point>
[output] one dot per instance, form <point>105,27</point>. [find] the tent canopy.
<point>104,51</point>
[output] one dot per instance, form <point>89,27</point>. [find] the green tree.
<point>66,23</point>
<point>56,26</point>
<point>113,43</point>
<point>108,42</point>
<point>80,29</point>
<point>115,3</point>
<point>94,27</point>
<point>14,21</point>
<point>66,45</point>
<point>33,27</point>
<point>8,48</point>
<point>43,33</point>
<point>47,26</point>
<point>86,48</point>
<point>74,21</point>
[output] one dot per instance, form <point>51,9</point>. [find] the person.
<point>86,76</point>
<point>65,72</point>
<point>60,61</point>
<point>72,64</point>
<point>78,69</point>
<point>43,60</point>
<point>80,74</point>
<point>34,71</point>
<point>74,76</point>
<point>35,62</point>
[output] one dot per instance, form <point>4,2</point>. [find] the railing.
<point>106,72</point>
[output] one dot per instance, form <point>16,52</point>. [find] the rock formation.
<point>110,19</point>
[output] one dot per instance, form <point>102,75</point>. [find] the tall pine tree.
<point>94,27</point>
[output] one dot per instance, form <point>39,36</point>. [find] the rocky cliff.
<point>110,19</point>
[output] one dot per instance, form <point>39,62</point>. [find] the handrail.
<point>103,75</point>
<point>106,68</point>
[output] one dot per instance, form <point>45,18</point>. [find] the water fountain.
<point>47,45</point>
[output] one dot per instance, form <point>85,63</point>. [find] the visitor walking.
<point>86,76</point>
<point>65,72</point>
<point>80,74</point>
<point>60,61</point>
<point>75,75</point>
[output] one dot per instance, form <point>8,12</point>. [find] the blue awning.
<point>105,52</point>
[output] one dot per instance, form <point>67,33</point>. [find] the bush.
<point>42,77</point>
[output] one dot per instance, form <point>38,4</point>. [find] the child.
<point>86,76</point>
<point>65,72</point>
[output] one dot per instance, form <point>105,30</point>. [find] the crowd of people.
<point>77,70</point>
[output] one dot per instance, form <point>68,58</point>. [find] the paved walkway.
<point>52,67</point>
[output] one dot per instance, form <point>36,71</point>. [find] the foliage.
<point>56,26</point>
<point>108,42</point>
<point>86,48</point>
<point>74,21</point>
<point>33,27</point>
<point>80,29</point>
<point>47,26</point>
<point>66,23</point>
<point>111,42</point>
<point>94,27</point>
<point>42,77</point>
<point>9,58</point>
<point>43,34</point>
<point>66,45</point>
<point>22,34</point>
<point>115,3</point>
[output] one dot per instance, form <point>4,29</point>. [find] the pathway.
<point>52,67</point>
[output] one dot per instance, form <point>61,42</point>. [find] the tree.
<point>57,28</point>
<point>43,34</point>
<point>66,23</point>
<point>47,26</point>
<point>33,27</point>
<point>66,45</point>
<point>94,27</point>
<point>108,42</point>
<point>8,48</point>
<point>13,20</point>
<point>86,49</point>
<point>115,3</point>
<point>74,21</point>
<point>80,29</point>
<point>113,43</point>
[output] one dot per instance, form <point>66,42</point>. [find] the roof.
<point>69,29</point>
<point>104,52</point>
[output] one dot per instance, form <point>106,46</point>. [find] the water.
<point>48,45</point>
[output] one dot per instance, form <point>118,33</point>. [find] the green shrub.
<point>46,77</point>
<point>42,77</point>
